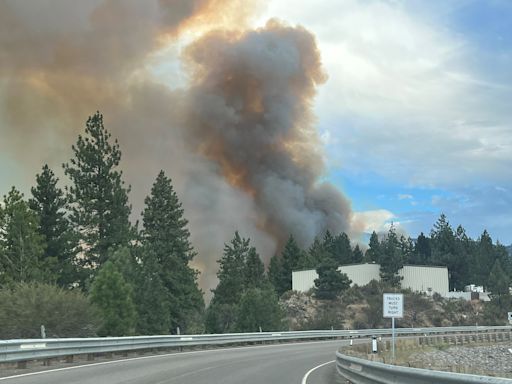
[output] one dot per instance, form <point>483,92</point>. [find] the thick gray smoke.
<point>238,140</point>
<point>250,112</point>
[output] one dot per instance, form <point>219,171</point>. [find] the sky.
<point>414,117</point>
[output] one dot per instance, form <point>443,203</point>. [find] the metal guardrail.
<point>38,349</point>
<point>360,371</point>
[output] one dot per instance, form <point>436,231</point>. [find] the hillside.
<point>361,307</point>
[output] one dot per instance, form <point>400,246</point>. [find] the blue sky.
<point>416,117</point>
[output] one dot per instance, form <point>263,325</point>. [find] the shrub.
<point>27,306</point>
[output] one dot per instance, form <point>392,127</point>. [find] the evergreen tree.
<point>342,252</point>
<point>445,252</point>
<point>165,236</point>
<point>329,244</point>
<point>152,298</point>
<point>484,259</point>
<point>422,253</point>
<point>280,269</point>
<point>114,297</point>
<point>98,199</point>
<point>391,259</point>
<point>254,269</point>
<point>407,249</point>
<point>49,203</point>
<point>499,282</point>
<point>465,248</point>
<point>330,282</point>
<point>357,255</point>
<point>231,273</point>
<point>259,309</point>
<point>318,254</point>
<point>275,273</point>
<point>21,245</point>
<point>374,252</point>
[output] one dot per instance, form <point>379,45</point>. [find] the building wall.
<point>416,278</point>
<point>303,281</point>
<point>425,279</point>
<point>361,274</point>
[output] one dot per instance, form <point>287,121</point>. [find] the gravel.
<point>495,360</point>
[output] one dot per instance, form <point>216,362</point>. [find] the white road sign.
<point>393,305</point>
<point>509,316</point>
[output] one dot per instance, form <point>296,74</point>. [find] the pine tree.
<point>98,198</point>
<point>152,298</point>
<point>485,258</point>
<point>422,253</point>
<point>406,249</point>
<point>165,235</point>
<point>357,255</point>
<point>49,202</point>
<point>21,245</point>
<point>374,252</point>
<point>254,270</point>
<point>275,273</point>
<point>318,254</point>
<point>330,282</point>
<point>114,297</point>
<point>499,282</point>
<point>391,259</point>
<point>342,249</point>
<point>240,270</point>
<point>280,269</point>
<point>329,244</point>
<point>231,274</point>
<point>446,253</point>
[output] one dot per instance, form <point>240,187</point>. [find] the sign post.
<point>393,306</point>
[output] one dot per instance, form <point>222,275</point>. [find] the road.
<point>267,364</point>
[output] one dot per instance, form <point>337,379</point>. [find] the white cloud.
<point>401,98</point>
<point>375,220</point>
<point>405,196</point>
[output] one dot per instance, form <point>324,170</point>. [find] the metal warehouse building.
<point>427,279</point>
<point>417,278</point>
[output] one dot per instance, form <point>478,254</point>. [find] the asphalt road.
<point>268,364</point>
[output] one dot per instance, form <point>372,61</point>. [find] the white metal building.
<point>417,278</point>
<point>427,279</point>
<point>360,274</point>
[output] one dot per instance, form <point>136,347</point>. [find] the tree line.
<point>138,280</point>
<point>126,280</point>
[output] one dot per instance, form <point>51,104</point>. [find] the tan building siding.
<point>361,274</point>
<point>303,281</point>
<point>416,278</point>
<point>425,279</point>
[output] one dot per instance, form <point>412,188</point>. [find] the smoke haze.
<point>238,139</point>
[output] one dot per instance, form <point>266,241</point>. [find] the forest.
<point>71,259</point>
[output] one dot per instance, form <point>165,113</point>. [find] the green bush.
<point>27,306</point>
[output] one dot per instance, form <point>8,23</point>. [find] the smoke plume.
<point>237,136</point>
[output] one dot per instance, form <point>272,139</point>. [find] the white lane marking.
<point>305,378</point>
<point>165,355</point>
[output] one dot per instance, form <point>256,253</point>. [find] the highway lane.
<point>267,364</point>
